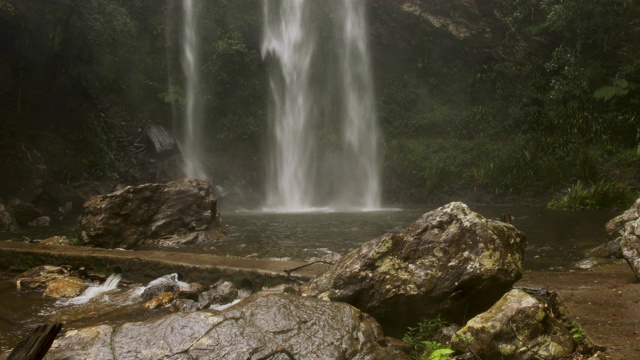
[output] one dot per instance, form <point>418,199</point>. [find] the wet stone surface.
<point>308,328</point>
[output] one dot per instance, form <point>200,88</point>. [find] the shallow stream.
<point>556,240</point>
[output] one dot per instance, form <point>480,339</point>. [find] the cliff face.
<point>460,18</point>
<point>476,25</point>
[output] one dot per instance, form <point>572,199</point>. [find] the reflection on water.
<point>555,239</point>
<point>18,313</point>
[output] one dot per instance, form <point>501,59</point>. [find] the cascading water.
<point>192,141</point>
<point>286,37</point>
<point>322,90</point>
<point>361,184</point>
<point>91,292</point>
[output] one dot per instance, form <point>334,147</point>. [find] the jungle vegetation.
<point>542,105</point>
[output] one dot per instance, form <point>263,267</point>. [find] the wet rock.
<point>599,356</point>
<point>167,283</point>
<point>176,241</point>
<point>90,343</point>
<point>161,300</point>
<point>23,212</point>
<point>160,141</point>
<point>308,328</point>
<point>630,245</point>
<point>55,240</point>
<point>190,292</point>
<point>444,335</point>
<point>586,264</point>
<point>38,278</point>
<point>451,261</point>
<point>148,213</point>
<point>628,225</point>
<point>65,287</point>
<point>516,327</point>
<point>460,18</point>
<point>620,223</point>
<point>155,290</point>
<point>7,222</point>
<point>40,221</point>
<point>609,250</point>
<point>185,305</point>
<point>292,289</point>
<point>223,292</point>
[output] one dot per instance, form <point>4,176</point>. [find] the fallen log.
<point>37,344</point>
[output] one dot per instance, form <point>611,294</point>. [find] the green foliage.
<point>72,235</point>
<point>441,354</point>
<point>578,334</point>
<point>620,87</point>
<point>424,330</point>
<point>421,337</point>
<point>553,102</point>
<point>514,122</point>
<point>605,194</point>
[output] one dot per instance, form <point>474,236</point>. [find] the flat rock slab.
<point>605,301</point>
<point>144,266</point>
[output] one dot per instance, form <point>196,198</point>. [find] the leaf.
<point>621,83</point>
<point>620,87</point>
<point>441,354</point>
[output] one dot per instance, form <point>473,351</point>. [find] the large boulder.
<point>152,214</point>
<point>519,326</point>
<point>451,261</point>
<point>628,226</point>
<point>306,327</point>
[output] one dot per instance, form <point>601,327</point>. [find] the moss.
<point>507,349</point>
<point>393,266</point>
<point>489,259</point>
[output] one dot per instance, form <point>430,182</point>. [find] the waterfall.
<point>361,184</point>
<point>321,90</point>
<point>287,38</point>
<point>192,136</point>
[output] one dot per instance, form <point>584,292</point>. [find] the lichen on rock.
<point>518,326</point>
<point>448,261</point>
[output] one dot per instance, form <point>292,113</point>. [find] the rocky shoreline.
<point>451,263</point>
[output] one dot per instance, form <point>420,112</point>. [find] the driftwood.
<point>37,344</point>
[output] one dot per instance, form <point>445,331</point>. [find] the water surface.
<point>556,240</point>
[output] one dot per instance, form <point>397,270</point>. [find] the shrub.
<point>422,338</point>
<point>606,194</point>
